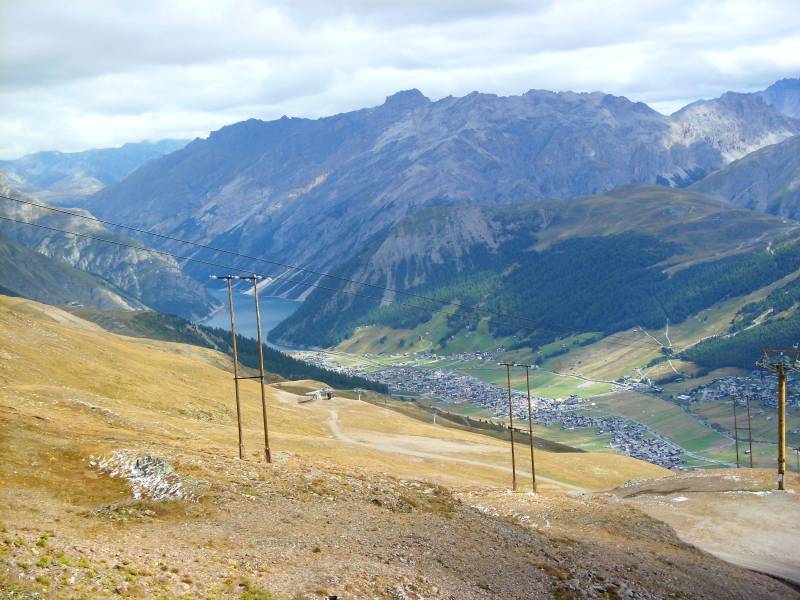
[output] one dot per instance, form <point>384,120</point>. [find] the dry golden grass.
<point>58,367</point>
<point>352,504</point>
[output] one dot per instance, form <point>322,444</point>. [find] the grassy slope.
<point>174,381</point>
<point>325,518</point>
<point>153,325</point>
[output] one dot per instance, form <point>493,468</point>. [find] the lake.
<point>273,311</point>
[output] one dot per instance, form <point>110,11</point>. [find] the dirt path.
<point>738,518</point>
<point>393,448</point>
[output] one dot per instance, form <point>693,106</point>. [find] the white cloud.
<point>95,73</point>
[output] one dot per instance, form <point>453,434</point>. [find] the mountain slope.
<point>784,95</point>
<point>733,125</point>
<point>125,482</point>
<point>317,192</point>
<point>151,279</point>
<point>33,275</point>
<point>767,180</point>
<point>64,176</point>
<point>639,255</point>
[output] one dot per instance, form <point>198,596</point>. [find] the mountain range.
<point>462,197</point>
<point>316,192</point>
<point>61,177</point>
<point>45,264</point>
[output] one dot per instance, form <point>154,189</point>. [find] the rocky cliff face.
<point>26,273</point>
<point>140,276</point>
<point>318,192</point>
<point>732,125</point>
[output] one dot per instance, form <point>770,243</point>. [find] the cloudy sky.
<point>97,73</point>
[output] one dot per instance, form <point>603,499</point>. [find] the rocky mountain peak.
<point>784,95</point>
<point>406,99</point>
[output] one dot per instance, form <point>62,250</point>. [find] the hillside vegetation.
<point>110,260</point>
<point>640,256</point>
<point>123,481</point>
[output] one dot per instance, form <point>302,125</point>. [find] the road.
<point>393,448</point>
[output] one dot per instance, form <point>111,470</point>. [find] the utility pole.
<point>749,431</point>
<point>780,361</point>
<point>228,279</point>
<point>511,428</point>
<point>530,422</point>
<point>255,279</point>
<point>736,431</point>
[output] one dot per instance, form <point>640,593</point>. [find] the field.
<point>589,370</point>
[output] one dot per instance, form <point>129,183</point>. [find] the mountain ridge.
<point>263,186</point>
<point>141,276</point>
<point>767,180</point>
<point>60,177</point>
<point>480,256</point>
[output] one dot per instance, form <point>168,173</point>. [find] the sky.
<point>99,73</point>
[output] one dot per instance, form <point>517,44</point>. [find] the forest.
<point>599,284</point>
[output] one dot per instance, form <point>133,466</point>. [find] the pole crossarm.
<point>774,359</point>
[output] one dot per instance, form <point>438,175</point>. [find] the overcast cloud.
<point>83,74</point>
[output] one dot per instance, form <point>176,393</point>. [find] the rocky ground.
<point>309,529</point>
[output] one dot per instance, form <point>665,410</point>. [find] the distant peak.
<point>406,99</point>
<point>788,83</point>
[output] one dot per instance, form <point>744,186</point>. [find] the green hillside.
<point>24,272</point>
<point>638,257</point>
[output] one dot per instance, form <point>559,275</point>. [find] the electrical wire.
<point>454,303</point>
<point>214,264</point>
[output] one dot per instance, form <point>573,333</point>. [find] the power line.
<point>209,263</point>
<point>214,264</point>
<point>476,309</point>
<point>240,255</point>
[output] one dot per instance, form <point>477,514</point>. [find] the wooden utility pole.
<point>749,431</point>
<point>267,452</point>
<point>781,425</point>
<point>511,428</point>
<point>530,423</point>
<point>736,431</point>
<point>228,279</point>
<point>780,361</point>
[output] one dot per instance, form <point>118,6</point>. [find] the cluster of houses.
<point>760,388</point>
<point>626,436</point>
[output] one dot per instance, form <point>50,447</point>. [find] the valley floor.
<point>361,501</point>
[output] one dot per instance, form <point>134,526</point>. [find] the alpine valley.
<point>473,347</point>
<point>616,247</point>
